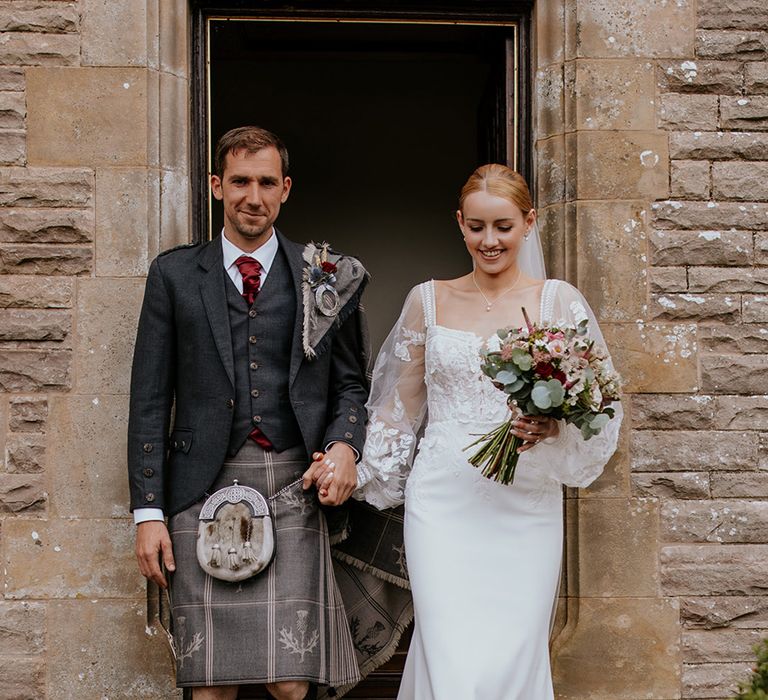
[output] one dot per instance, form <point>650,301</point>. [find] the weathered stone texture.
<point>761,249</point>
<point>734,374</point>
<point>718,145</point>
<point>46,225</point>
<point>22,493</point>
<point>13,109</point>
<point>35,292</point>
<point>114,34</point>
<point>756,78</point>
<point>22,678</point>
<point>688,111</point>
<point>22,629</point>
<point>702,646</point>
<point>53,17</point>
<point>719,680</point>
<point>714,569</point>
<point>701,247</point>
<point>11,78</point>
<point>39,49</point>
<point>718,77</point>
<point>46,187</point>
<point>728,521</point>
<point>28,413</point>
<point>689,179</point>
<point>742,612</point>
<point>728,279</point>
<point>754,308</point>
<point>732,14</point>
<point>739,485</point>
<point>25,453</point>
<point>667,279</point>
<point>45,260</point>
<point>34,370</point>
<point>684,450</point>
<point>728,45</point>
<point>13,147</point>
<point>746,113</point>
<point>667,412</point>
<point>693,485</point>
<point>710,216</point>
<point>16,324</point>
<point>740,181</point>
<point>674,307</point>
<point>736,339</point>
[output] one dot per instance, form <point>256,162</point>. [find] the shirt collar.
<point>265,254</point>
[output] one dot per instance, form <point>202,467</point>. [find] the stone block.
<point>54,18</point>
<point>174,36</point>
<point>34,370</point>
<point>673,412</point>
<point>732,14</point>
<point>46,187</point>
<point>615,95</point>
<point>667,279</point>
<point>710,216</point>
<point>731,45</point>
<point>63,128</point>
<point>29,292</point>
<point>636,638</point>
<point>718,145</point>
<point>689,179</point>
<point>174,209</point>
<point>728,279</point>
<point>551,161</point>
<point>754,308</point>
<point>552,220</point>
<point>22,629</point>
<point>24,225</point>
<point>16,324</point>
<point>756,78</point>
<point>25,453</point>
<point>13,147</point>
<point>700,247</point>
<point>89,474</point>
<point>11,78</point>
<point>742,612</point>
<point>693,112</point>
<point>654,28</point>
<point>39,49</point>
<point>22,678</point>
<point>28,414</point>
<point>174,121</point>
<point>622,165</point>
<point>718,646</point>
<point>717,77</point>
<point>713,307</point>
<point>740,181</point>
<point>78,558</point>
<point>663,485</point>
<point>13,109</point>
<point>739,339</point>
<point>123,227</point>
<point>549,101</point>
<point>653,355</point>
<point>110,653</point>
<point>114,33</point>
<point>45,260</point>
<point>745,113</point>
<point>733,374</point>
<point>729,521</point>
<point>761,249</point>
<point>735,485</point>
<point>713,569</point>
<point>693,450</point>
<point>719,680</point>
<point>611,249</point>
<point>107,313</point>
<point>22,494</point>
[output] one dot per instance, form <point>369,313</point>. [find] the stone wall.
<point>652,120</point>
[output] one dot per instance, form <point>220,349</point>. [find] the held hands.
<point>152,543</point>
<point>333,473</point>
<point>533,429</point>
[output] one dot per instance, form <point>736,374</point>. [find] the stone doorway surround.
<point>650,128</point>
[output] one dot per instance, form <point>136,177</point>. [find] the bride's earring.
<point>527,234</point>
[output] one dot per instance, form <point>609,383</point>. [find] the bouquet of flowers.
<point>557,372</point>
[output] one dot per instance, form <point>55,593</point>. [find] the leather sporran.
<point>236,533</point>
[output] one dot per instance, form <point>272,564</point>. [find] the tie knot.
<point>248,266</point>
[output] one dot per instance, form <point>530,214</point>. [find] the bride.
<point>483,558</point>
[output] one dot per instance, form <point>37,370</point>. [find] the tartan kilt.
<point>287,622</point>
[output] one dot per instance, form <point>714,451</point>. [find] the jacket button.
<point>353,409</point>
<point>149,497</point>
<point>254,365</point>
<point>257,419</point>
<point>252,313</point>
<point>148,447</point>
<point>353,419</point>
<point>148,472</point>
<point>252,339</point>
<point>230,403</point>
<point>175,444</point>
<point>255,393</point>
<point>349,436</point>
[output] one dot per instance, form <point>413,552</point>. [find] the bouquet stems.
<point>497,458</point>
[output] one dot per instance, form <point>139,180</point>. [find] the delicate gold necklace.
<point>488,303</point>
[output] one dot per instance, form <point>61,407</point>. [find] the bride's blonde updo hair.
<point>500,181</point>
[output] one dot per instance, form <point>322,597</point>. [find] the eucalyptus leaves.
<point>557,372</point>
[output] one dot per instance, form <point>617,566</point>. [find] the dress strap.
<point>548,295</point>
<point>428,302</point>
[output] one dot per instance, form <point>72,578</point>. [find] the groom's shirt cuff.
<point>330,444</point>
<point>143,515</point>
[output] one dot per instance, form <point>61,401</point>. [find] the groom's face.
<point>252,189</point>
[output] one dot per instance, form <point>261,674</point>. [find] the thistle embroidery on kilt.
<point>366,641</point>
<point>182,648</point>
<point>400,559</point>
<point>300,644</point>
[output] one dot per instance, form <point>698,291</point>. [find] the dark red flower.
<point>328,267</point>
<point>560,376</point>
<point>544,369</point>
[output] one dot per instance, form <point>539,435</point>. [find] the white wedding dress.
<point>483,558</point>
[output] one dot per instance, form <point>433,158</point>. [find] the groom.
<point>242,361</point>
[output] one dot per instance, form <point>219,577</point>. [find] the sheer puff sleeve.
<point>569,458</point>
<point>396,409</point>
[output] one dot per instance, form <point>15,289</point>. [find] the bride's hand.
<point>534,429</point>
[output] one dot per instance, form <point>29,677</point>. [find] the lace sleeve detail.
<point>569,458</point>
<point>396,408</point>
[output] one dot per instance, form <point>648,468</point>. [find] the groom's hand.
<point>153,544</point>
<point>334,473</point>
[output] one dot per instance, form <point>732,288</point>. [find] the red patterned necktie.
<point>250,270</point>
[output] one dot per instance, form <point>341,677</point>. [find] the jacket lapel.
<point>215,302</point>
<point>293,253</point>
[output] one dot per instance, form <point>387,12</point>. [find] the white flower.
<point>556,347</point>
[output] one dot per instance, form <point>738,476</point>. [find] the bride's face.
<point>493,229</point>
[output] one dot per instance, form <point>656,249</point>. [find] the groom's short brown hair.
<point>251,139</point>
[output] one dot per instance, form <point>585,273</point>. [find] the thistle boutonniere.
<point>321,277</point>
